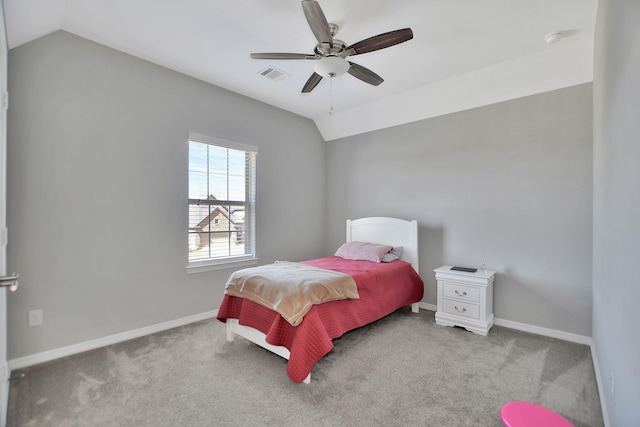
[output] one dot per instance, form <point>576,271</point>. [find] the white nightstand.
<point>465,299</point>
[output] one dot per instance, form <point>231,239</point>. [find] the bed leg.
<point>308,379</point>
<point>415,307</point>
<point>230,334</point>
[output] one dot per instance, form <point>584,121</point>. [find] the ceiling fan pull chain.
<point>330,95</point>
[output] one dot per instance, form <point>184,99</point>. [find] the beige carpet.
<point>400,371</point>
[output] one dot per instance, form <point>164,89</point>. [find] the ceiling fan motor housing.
<point>331,64</point>
<point>330,49</point>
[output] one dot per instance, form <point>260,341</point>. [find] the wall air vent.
<point>274,74</point>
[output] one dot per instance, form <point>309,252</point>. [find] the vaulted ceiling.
<point>464,53</point>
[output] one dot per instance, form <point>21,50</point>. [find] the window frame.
<point>209,264</point>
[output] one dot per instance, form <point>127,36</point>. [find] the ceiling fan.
<point>330,53</point>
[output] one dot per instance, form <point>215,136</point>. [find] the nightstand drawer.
<point>460,308</point>
<point>467,293</point>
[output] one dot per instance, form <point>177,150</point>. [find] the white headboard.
<point>387,231</point>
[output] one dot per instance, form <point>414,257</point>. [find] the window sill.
<point>220,264</point>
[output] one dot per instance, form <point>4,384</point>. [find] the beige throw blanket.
<point>290,288</point>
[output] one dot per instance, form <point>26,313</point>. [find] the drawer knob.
<point>461,294</point>
<point>458,310</point>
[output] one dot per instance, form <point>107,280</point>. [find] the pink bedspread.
<point>383,288</point>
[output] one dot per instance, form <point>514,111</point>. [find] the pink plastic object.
<point>525,414</point>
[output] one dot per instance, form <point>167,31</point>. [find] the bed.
<point>382,287</point>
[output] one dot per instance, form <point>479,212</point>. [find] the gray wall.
<point>97,193</point>
<point>508,184</point>
<point>97,190</point>
<point>616,213</point>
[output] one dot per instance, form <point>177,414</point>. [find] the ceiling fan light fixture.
<point>331,66</point>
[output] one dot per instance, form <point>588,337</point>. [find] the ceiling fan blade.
<point>282,56</point>
<point>364,74</point>
<point>381,41</point>
<point>311,83</point>
<point>317,21</point>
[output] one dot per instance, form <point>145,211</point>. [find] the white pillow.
<point>393,255</point>
<point>363,251</point>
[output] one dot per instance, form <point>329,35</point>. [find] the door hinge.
<point>5,100</point>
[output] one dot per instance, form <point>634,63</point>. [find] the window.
<point>222,183</point>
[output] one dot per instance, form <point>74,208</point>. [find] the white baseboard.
<point>4,392</point>
<point>552,333</point>
<point>46,356</point>
<point>426,306</point>
<point>601,388</point>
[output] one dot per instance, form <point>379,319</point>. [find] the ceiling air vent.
<point>274,74</point>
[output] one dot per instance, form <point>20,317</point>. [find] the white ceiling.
<point>464,54</point>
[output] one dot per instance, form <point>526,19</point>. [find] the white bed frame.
<point>382,230</point>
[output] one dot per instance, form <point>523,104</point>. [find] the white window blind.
<point>222,196</point>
